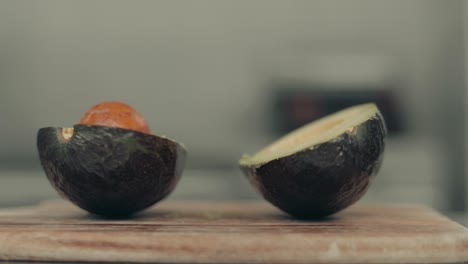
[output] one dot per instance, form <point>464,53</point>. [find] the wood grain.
<point>228,232</point>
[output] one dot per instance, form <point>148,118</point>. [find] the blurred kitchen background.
<point>228,77</point>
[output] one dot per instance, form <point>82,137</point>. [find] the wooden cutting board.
<point>228,232</point>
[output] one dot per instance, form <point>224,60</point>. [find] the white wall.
<point>190,66</point>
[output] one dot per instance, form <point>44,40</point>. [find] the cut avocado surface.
<point>322,167</point>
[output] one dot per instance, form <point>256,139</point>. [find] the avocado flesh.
<point>323,167</point>
<point>319,131</point>
<point>107,170</point>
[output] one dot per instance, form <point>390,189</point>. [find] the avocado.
<point>110,171</point>
<point>322,167</point>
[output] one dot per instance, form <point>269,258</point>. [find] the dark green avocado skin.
<point>110,171</point>
<point>318,182</point>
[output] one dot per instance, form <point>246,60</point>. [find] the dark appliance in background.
<point>297,105</point>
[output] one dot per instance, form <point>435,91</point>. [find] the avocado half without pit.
<point>322,167</point>
<point>109,164</point>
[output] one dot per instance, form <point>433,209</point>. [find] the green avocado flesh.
<point>323,167</point>
<point>107,170</point>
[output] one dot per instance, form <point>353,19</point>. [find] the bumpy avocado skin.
<point>110,171</point>
<point>318,182</point>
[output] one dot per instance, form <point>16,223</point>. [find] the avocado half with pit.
<point>323,167</point>
<point>110,171</point>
